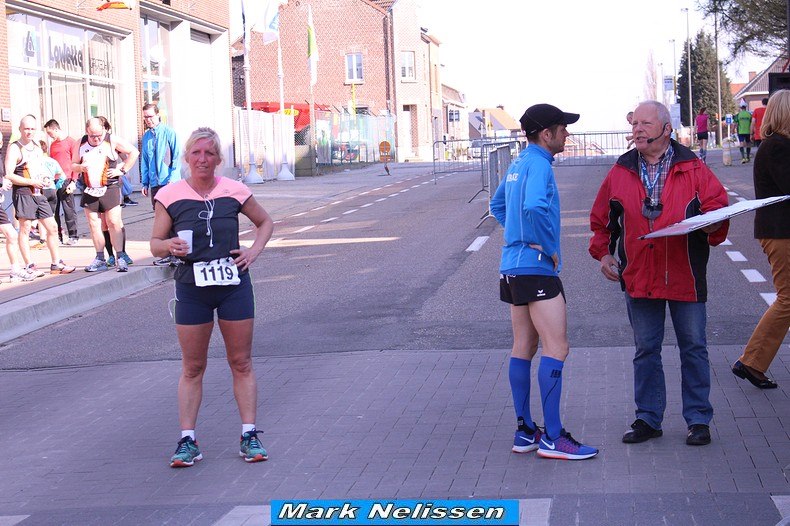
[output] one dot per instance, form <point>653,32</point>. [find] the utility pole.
<point>718,69</point>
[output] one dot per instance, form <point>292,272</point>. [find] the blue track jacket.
<point>159,157</point>
<point>527,205</point>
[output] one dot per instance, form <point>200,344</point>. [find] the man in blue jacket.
<point>160,162</point>
<point>527,205</point>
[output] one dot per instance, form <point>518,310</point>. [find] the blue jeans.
<point>650,393</point>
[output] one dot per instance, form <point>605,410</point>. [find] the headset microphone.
<point>651,140</point>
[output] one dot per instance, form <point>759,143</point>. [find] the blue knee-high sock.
<point>550,381</point>
<point>519,386</point>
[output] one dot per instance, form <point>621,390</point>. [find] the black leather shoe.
<point>699,435</point>
<point>741,371</point>
<point>641,431</point>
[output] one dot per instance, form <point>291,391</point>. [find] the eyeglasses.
<point>149,116</point>
<point>96,136</point>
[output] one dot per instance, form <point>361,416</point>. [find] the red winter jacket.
<point>672,268</point>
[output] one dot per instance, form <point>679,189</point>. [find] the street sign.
<point>728,118</point>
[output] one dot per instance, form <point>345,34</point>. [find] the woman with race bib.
<point>203,210</point>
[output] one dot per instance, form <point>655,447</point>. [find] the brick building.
<point>381,64</point>
<point>67,60</point>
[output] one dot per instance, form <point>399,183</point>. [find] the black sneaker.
<point>128,202</point>
<point>640,432</point>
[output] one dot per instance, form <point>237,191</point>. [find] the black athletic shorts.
<point>702,135</point>
<point>31,206</point>
<point>196,305</point>
<point>524,289</point>
<point>4,217</point>
<point>110,199</point>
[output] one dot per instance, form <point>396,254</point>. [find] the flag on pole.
<point>128,4</point>
<point>262,16</point>
<point>270,26</point>
<point>312,48</point>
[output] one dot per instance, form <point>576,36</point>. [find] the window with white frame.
<point>354,68</point>
<point>155,46</point>
<point>407,65</point>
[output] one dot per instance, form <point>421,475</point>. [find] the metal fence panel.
<point>593,148</point>
<point>344,138</point>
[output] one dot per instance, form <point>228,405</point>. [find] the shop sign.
<point>64,55</point>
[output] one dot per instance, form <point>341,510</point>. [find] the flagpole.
<point>252,177</point>
<point>312,50</point>
<point>285,173</point>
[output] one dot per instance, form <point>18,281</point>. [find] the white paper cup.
<point>186,235</point>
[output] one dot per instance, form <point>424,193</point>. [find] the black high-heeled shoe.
<point>740,370</point>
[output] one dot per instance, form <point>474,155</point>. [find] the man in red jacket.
<point>657,184</point>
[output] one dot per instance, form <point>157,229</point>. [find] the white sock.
<point>246,428</point>
<point>188,433</point>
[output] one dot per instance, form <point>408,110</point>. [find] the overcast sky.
<point>587,57</point>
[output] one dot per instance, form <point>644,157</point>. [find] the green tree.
<point>758,27</point>
<point>703,80</point>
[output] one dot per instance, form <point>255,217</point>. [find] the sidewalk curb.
<point>52,305</point>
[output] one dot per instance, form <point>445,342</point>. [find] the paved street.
<point>381,351</point>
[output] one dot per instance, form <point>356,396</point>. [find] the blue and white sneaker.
<point>526,439</point>
<point>564,448</point>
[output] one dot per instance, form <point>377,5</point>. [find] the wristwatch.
<point>123,169</point>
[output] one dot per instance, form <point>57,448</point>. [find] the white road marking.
<point>381,199</point>
<point>258,515</point>
<point>782,503</point>
<point>416,185</point>
<point>364,193</point>
<point>393,195</point>
<point>404,190</point>
<point>769,297</point>
<point>350,211</point>
<point>734,255</point>
<point>726,242</point>
<point>753,275</point>
<point>300,214</point>
<point>740,199</point>
<point>327,220</point>
<point>477,244</point>
<point>534,512</point>
<point>304,229</point>
<point>318,208</point>
<point>366,205</point>
<point>732,193</point>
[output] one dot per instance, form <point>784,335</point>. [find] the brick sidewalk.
<point>93,442</point>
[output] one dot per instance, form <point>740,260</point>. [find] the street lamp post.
<point>688,62</point>
<point>718,71</point>
<point>674,72</point>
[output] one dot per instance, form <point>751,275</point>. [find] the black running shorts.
<point>524,289</point>
<point>31,206</point>
<point>196,305</point>
<point>110,199</point>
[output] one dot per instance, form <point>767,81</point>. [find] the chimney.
<point>752,74</point>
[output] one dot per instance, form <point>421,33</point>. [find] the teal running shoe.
<point>124,256</point>
<point>251,449</point>
<point>111,261</point>
<point>186,453</point>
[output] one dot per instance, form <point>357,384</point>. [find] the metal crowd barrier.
<point>593,148</point>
